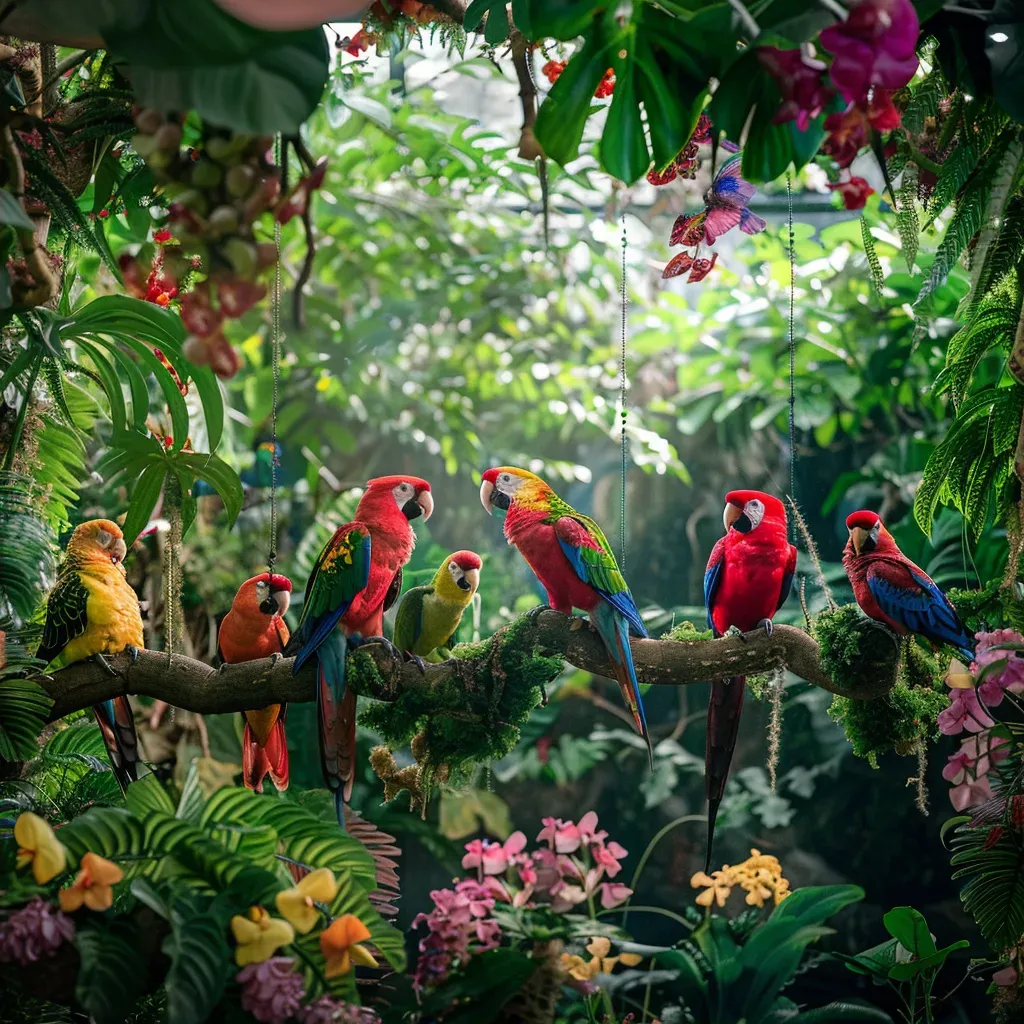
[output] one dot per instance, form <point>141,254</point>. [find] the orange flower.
<point>340,945</point>
<point>93,885</point>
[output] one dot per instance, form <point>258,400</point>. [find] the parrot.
<point>573,561</point>
<point>356,578</point>
<point>747,580</point>
<point>891,589</point>
<point>93,611</point>
<point>253,629</point>
<point>429,616</point>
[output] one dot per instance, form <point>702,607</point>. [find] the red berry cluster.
<point>553,68</point>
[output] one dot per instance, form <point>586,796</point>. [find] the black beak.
<point>742,523</point>
<point>463,584</point>
<point>502,501</point>
<point>869,545</point>
<point>270,605</point>
<point>411,509</point>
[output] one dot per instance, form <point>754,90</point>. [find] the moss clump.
<point>898,721</point>
<point>686,632</point>
<point>992,607</point>
<point>475,715</point>
<point>840,635</point>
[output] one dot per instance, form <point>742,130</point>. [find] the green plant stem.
<point>642,863</point>
<point>312,966</point>
<point>649,910</point>
<point>19,423</point>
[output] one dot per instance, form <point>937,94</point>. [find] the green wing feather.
<point>66,616</point>
<point>601,569</point>
<point>340,573</point>
<point>409,620</point>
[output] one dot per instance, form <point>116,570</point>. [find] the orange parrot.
<point>254,629</point>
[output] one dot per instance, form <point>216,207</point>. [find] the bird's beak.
<point>118,550</point>
<point>486,490</point>
<point>281,599</point>
<point>421,505</point>
<point>469,580</point>
<point>861,540</point>
<point>734,516</point>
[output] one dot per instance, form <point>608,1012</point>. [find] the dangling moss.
<point>475,715</point>
<point>897,721</point>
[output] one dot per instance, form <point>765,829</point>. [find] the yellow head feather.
<point>97,542</point>
<point>533,492</point>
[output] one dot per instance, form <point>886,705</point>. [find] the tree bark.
<point>195,686</point>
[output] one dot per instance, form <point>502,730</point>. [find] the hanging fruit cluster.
<point>216,194</point>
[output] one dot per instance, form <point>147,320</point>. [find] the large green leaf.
<point>112,971</point>
<point>144,497</point>
<point>219,475</point>
<point>193,55</point>
<point>109,832</point>
<point>24,708</point>
<point>200,965</point>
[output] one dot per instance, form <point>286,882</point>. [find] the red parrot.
<point>254,629</point>
<point>747,580</point>
<point>890,588</point>
<point>573,561</point>
<point>357,577</point>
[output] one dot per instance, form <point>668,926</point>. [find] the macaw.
<point>891,589</point>
<point>429,616</point>
<point>93,611</point>
<point>747,581</point>
<point>254,629</point>
<point>573,560</point>
<point>357,577</point>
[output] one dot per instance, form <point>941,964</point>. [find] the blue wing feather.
<point>713,578</point>
<point>622,601</point>
<point>927,611</point>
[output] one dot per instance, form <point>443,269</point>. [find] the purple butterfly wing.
<point>719,220</point>
<point>750,223</point>
<point>728,187</point>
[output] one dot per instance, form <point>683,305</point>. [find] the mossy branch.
<point>373,672</point>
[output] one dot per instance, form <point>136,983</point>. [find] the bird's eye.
<point>506,478</point>
<point>103,538</point>
<point>754,511</point>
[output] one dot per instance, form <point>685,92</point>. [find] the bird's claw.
<point>355,642</point>
<point>133,652</point>
<point>100,660</point>
<point>576,623</point>
<point>767,626</point>
<point>417,661</point>
<point>535,612</point>
<point>737,632</point>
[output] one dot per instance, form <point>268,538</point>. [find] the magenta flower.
<point>1010,676</point>
<point>964,712</point>
<point>614,893</point>
<point>329,1011</point>
<point>271,991</point>
<point>968,767</point>
<point>798,76</point>
<point>561,836</point>
<point>35,931</point>
<point>493,858</point>
<point>608,857</point>
<point>874,46</point>
<point>854,190</point>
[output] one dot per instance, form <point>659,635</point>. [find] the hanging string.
<point>624,440</point>
<point>275,358</point>
<point>792,355</point>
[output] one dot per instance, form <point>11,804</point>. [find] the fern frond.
<point>26,552</point>
<point>906,217</point>
<point>874,264</point>
<point>992,327</point>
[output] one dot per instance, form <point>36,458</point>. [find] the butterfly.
<point>726,205</point>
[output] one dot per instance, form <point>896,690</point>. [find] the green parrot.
<point>429,616</point>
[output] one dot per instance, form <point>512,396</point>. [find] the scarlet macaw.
<point>429,616</point>
<point>357,577</point>
<point>890,588</point>
<point>573,560</point>
<point>93,611</point>
<point>254,629</point>
<point>747,580</point>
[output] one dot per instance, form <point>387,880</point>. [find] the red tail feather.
<point>722,729</point>
<point>271,759</point>
<point>121,741</point>
<point>337,737</point>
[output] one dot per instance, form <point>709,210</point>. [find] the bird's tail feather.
<point>722,729</point>
<point>614,630</point>
<point>270,758</point>
<point>336,711</point>
<point>117,723</point>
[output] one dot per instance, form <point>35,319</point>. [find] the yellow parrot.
<point>429,616</point>
<point>93,611</point>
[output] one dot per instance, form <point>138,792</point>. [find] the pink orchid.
<point>970,793</point>
<point>493,858</point>
<point>523,896</point>
<point>1010,676</point>
<point>588,829</point>
<point>562,836</point>
<point>875,45</point>
<point>527,872</point>
<point>608,857</point>
<point>1007,976</point>
<point>798,76</point>
<point>614,893</point>
<point>964,712</point>
<point>565,897</point>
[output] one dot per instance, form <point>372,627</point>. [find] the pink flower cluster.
<point>873,53</point>
<point>35,931</point>
<point>274,992</point>
<point>572,867</point>
<point>457,928</point>
<point>997,672</point>
<point>968,768</point>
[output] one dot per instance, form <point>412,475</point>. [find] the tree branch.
<point>197,687</point>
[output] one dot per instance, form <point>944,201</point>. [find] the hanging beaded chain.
<point>275,356</point>
<point>622,407</point>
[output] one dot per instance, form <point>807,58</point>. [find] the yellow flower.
<point>296,905</point>
<point>600,962</point>
<point>340,945</point>
<point>93,885</point>
<point>959,676</point>
<point>258,936</point>
<point>718,886</point>
<point>38,846</point>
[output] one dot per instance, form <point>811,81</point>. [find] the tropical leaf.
<point>26,553</point>
<point>24,708</point>
<point>874,264</point>
<point>200,957</point>
<point>112,971</point>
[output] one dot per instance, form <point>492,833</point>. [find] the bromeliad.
<point>573,561</point>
